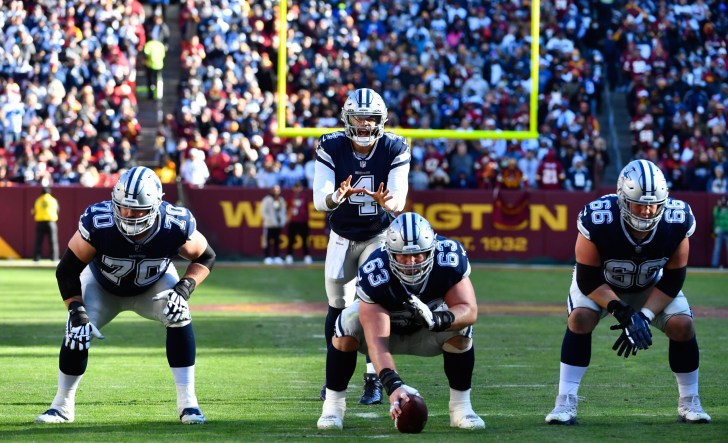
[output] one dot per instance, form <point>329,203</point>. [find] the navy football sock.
<point>72,362</point>
<point>331,317</point>
<point>340,367</point>
<point>181,346</point>
<point>576,349</point>
<point>684,356</point>
<point>459,369</point>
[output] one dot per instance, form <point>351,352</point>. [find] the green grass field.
<point>259,372</point>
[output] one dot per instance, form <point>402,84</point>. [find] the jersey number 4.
<point>366,204</point>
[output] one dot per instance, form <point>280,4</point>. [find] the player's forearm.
<point>465,315</point>
<point>398,187</point>
<point>324,191</point>
<point>603,295</point>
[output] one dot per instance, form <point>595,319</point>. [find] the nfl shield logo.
<point>363,163</point>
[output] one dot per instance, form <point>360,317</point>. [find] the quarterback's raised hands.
<point>79,329</point>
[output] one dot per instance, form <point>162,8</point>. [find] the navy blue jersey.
<point>377,284</point>
<point>126,268</point>
<point>359,217</point>
<point>630,265</point>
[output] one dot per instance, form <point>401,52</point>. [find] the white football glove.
<point>177,309</point>
<point>423,311</point>
<point>78,337</point>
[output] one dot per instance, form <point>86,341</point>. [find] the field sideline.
<point>260,365</point>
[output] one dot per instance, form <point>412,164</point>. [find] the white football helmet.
<point>641,182</point>
<point>408,234</point>
<point>363,103</point>
<point>139,189</point>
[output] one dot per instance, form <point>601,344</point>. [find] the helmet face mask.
<point>139,190</point>
<point>641,182</point>
<point>410,234</point>
<point>364,115</point>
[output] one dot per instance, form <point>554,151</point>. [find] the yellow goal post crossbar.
<point>532,132</point>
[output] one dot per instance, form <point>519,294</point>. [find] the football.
<point>413,418</point>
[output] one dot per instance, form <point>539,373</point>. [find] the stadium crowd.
<point>68,90</point>
<point>453,64</point>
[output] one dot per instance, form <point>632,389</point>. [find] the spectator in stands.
<point>274,214</point>
<point>158,30</point>
<point>718,183</point>
<point>418,179</point>
<point>528,164</point>
<point>550,174</point>
<point>268,176</point>
<point>218,163</point>
<point>578,176</point>
<point>298,215</point>
<point>720,230</point>
<point>462,165</point>
<point>510,177</point>
<point>194,170</point>
<point>700,173</point>
<point>291,172</point>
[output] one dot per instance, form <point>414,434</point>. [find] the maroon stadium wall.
<point>514,227</point>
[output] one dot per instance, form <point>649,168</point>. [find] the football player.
<point>414,297</point>
<point>120,260</point>
<point>631,260</point>
<point>360,180</point>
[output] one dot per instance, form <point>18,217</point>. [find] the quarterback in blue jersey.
<point>414,297</point>
<point>360,179</point>
<point>631,260</point>
<point>120,260</point>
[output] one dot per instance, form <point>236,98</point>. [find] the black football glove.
<point>624,345</point>
<point>635,326</point>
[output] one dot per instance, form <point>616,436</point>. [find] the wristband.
<point>390,380</point>
<point>444,320</point>
<point>184,287</point>
<point>648,313</point>
<point>330,202</point>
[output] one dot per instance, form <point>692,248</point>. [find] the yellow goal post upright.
<point>532,132</point>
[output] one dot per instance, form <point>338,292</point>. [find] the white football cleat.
<point>564,412</point>
<point>690,411</point>
<point>278,261</point>
<point>268,261</point>
<point>332,414</point>
<point>192,416</point>
<point>462,416</point>
<point>289,259</point>
<point>307,260</point>
<point>55,416</point>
